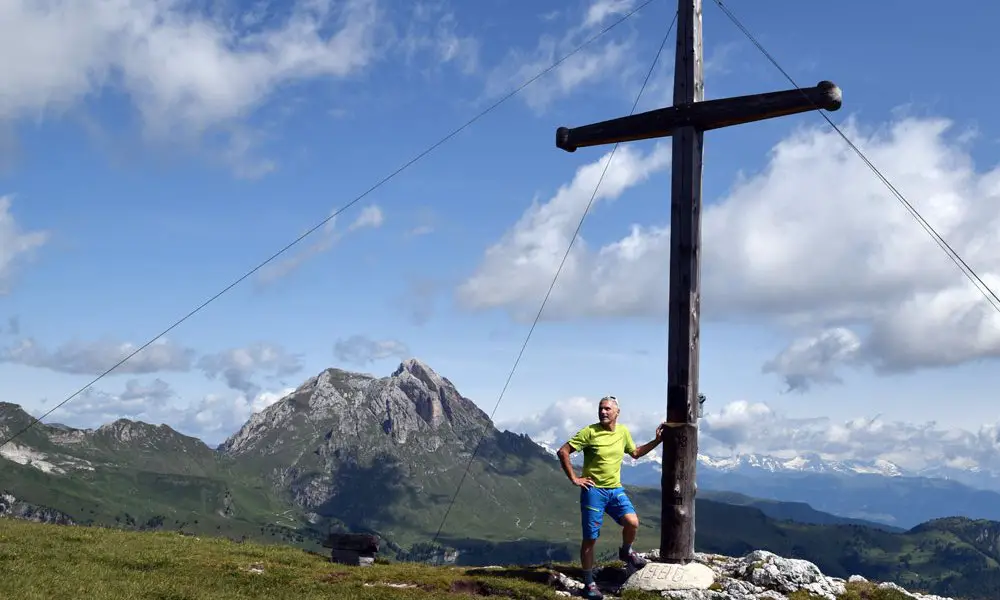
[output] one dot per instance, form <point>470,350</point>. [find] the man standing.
<point>604,445</point>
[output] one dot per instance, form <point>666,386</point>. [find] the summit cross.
<point>686,121</point>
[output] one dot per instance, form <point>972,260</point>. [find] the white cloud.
<point>371,217</point>
<point>910,445</point>
<point>434,29</point>
<point>149,402</point>
<point>557,423</point>
<point>518,269</point>
<point>361,350</point>
<point>93,358</point>
<point>212,419</point>
<point>218,416</point>
<point>181,66</point>
<point>196,72</point>
<point>239,365</point>
<point>603,9</point>
<point>748,427</point>
<point>815,358</point>
<point>15,245</point>
<point>601,60</point>
<point>814,242</point>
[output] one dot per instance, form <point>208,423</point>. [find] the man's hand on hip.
<point>584,482</point>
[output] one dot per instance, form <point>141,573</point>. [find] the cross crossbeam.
<point>703,116</point>
<point>685,122</point>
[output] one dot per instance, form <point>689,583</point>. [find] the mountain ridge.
<point>355,452</point>
<point>302,441</point>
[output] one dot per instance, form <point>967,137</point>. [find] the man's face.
<point>607,412</point>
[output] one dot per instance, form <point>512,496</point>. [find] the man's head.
<point>607,410</point>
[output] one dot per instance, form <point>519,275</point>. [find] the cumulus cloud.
<point>371,217</point>
<point>194,71</point>
<point>184,68</point>
<point>93,358</point>
<point>813,242</point>
<point>744,427</point>
<point>212,419</point>
<point>815,358</point>
<point>150,402</point>
<point>238,365</point>
<point>16,246</point>
<point>218,416</point>
<point>517,270</point>
<point>600,61</point>
<point>361,350</point>
<point>749,427</point>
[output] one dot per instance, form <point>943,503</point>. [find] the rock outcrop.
<point>13,508</point>
<point>760,575</point>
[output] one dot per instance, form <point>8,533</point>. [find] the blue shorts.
<point>595,501</point>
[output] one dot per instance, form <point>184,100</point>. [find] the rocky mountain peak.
<point>434,398</point>
<point>337,408</point>
<point>126,430</point>
<point>140,435</point>
<point>6,407</point>
<point>423,372</point>
<point>12,412</point>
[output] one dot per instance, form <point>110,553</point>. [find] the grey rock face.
<point>760,575</point>
<point>339,425</point>
<point>13,508</point>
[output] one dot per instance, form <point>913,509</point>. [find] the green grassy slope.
<point>46,561</point>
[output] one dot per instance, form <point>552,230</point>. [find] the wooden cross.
<point>686,121</point>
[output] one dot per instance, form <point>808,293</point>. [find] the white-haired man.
<point>604,445</point>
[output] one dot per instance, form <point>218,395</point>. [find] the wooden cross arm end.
<point>710,114</point>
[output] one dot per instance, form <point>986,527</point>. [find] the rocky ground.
<point>12,507</point>
<point>759,575</point>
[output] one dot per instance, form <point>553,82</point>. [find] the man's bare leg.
<point>587,562</point>
<point>630,527</point>
<point>587,554</point>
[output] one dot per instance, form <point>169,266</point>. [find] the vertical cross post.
<point>680,437</point>
<point>686,121</point>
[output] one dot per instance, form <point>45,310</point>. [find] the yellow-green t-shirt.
<point>603,452</point>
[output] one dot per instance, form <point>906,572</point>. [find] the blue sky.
<point>152,155</point>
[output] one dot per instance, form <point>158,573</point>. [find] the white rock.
<point>657,577</point>
<point>759,575</point>
<point>892,586</point>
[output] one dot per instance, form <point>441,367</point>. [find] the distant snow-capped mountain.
<point>806,463</point>
<point>755,463</point>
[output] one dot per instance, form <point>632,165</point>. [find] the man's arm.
<point>567,466</point>
<point>646,448</point>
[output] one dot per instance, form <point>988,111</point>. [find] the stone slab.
<point>350,557</point>
<point>658,577</point>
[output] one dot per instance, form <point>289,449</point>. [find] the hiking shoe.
<point>631,559</point>
<point>591,592</point>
